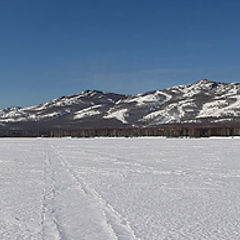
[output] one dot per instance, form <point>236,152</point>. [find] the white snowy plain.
<point>106,188</point>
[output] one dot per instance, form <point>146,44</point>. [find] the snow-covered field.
<point>100,189</point>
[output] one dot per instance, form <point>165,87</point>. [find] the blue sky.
<point>50,48</point>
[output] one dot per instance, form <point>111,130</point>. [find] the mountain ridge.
<point>203,101</point>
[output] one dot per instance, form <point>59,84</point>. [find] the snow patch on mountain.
<point>221,108</point>
<point>87,112</point>
<point>172,113</point>
<point>143,99</point>
<point>118,114</point>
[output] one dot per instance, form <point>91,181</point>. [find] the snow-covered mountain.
<point>203,101</point>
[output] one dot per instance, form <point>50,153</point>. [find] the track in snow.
<point>122,189</point>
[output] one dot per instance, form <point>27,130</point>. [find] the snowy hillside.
<point>200,102</point>
<point>119,189</point>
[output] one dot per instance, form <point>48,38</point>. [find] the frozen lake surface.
<point>100,189</point>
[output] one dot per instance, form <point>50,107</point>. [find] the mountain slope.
<point>203,101</point>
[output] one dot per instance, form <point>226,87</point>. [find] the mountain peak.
<point>92,91</point>
<point>204,81</point>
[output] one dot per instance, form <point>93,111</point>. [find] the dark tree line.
<point>173,130</point>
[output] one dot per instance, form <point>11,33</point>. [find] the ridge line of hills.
<point>201,103</point>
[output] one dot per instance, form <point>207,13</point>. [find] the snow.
<point>84,114</point>
<point>143,188</point>
<point>87,112</point>
<point>158,97</point>
<point>174,112</point>
<point>221,108</point>
<point>58,102</point>
<point>34,117</point>
<point>190,90</point>
<point>63,101</point>
<point>119,115</point>
<point>11,113</point>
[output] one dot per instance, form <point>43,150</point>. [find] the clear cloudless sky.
<point>50,48</point>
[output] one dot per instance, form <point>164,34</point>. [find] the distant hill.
<point>201,102</point>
